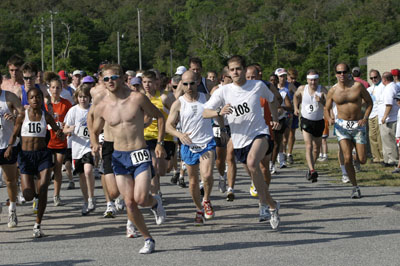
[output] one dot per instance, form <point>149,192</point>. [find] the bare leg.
<point>59,158</point>
<point>206,171</point>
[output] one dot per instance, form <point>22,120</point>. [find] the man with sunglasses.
<point>198,145</point>
<point>350,126</point>
<point>249,133</point>
<point>123,110</point>
<point>375,141</point>
<point>387,114</point>
<point>16,81</point>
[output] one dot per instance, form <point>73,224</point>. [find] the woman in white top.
<point>34,158</point>
<point>76,125</point>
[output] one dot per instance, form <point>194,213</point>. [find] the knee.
<point>130,204</point>
<point>141,198</point>
<point>29,194</point>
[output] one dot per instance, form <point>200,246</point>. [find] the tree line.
<point>273,33</point>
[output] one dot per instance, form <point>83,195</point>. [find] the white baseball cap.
<point>180,70</point>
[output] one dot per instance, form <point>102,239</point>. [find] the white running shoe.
<point>222,184</point>
<point>110,212</point>
<point>57,201</point>
<point>12,219</point>
<point>91,204</point>
<point>20,198</point>
<point>264,213</point>
<point>275,219</point>
<point>37,232</point>
<point>149,246</point>
<point>119,204</point>
<point>345,179</point>
<point>159,211</point>
<point>131,231</point>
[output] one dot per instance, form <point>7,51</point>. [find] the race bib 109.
<point>140,156</point>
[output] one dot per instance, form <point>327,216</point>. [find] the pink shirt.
<point>363,82</point>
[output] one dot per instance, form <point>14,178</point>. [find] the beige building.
<point>383,60</point>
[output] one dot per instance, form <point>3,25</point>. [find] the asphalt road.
<point>320,225</point>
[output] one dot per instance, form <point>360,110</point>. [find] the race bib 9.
<point>140,156</point>
<point>310,108</point>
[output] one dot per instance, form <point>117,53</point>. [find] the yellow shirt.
<point>151,132</point>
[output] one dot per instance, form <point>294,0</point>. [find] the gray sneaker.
<point>396,171</point>
<point>57,201</point>
<point>159,211</point>
<point>222,185</point>
<point>275,219</point>
<point>356,194</point>
<point>12,219</point>
<point>149,246</point>
<point>264,213</point>
<point>37,232</point>
<point>91,204</point>
<point>85,210</point>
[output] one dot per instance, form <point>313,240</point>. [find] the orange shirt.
<point>60,110</point>
<point>267,116</point>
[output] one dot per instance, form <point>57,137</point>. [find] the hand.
<point>226,110</point>
<point>383,120</point>
<point>95,149</point>
<point>8,153</point>
<point>275,125</point>
<point>8,116</point>
<point>185,139</point>
<point>296,112</point>
<point>362,122</point>
<point>160,151</point>
<point>60,134</point>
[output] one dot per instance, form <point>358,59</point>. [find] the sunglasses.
<point>187,84</point>
<point>371,78</point>
<point>29,78</point>
<point>174,86</point>
<point>341,72</point>
<point>113,77</point>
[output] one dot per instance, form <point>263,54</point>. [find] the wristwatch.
<point>160,143</point>
<point>219,111</point>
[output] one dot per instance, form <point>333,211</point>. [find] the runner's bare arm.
<point>297,100</point>
<point>328,107</point>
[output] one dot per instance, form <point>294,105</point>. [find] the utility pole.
<point>119,61</point>
<point>41,31</point>
<point>52,39</point>
<point>170,61</point>
<point>139,36</point>
<point>329,65</point>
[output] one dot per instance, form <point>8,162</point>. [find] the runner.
<point>34,157</point>
<point>15,83</point>
<point>312,99</point>
<point>9,106</point>
<point>350,126</point>
<point>198,145</point>
<point>57,146</point>
<point>124,111</point>
<point>76,126</point>
<point>241,104</point>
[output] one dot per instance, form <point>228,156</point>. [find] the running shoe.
<point>12,219</point>
<point>20,198</point>
<point>282,164</point>
<point>85,210</point>
<point>57,201</point>
<point>264,213</point>
<point>149,246</point>
<point>208,210</point>
<point>96,173</point>
<point>275,219</point>
<point>35,205</point>
<point>345,179</point>
<point>174,178</point>
<point>230,196</point>
<point>71,185</point>
<point>272,168</point>
<point>131,231</point>
<point>159,211</point>
<point>199,218</point>
<point>37,232</point>
<point>91,204</point>
<point>253,191</point>
<point>357,166</point>
<point>356,194</point>
<point>119,204</point>
<point>202,188</point>
<point>396,171</point>
<point>222,185</point>
<point>110,212</point>
<point>290,159</point>
<point>313,176</point>
<point>181,182</point>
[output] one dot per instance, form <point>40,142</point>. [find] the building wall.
<point>384,60</point>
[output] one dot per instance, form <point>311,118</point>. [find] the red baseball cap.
<point>63,74</point>
<point>395,72</point>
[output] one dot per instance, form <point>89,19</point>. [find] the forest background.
<point>273,33</point>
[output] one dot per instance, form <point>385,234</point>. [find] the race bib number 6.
<point>140,156</point>
<point>83,132</point>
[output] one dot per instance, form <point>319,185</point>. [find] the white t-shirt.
<point>80,140</point>
<point>191,118</point>
<point>310,108</point>
<point>375,91</point>
<point>246,121</point>
<point>398,125</point>
<point>387,98</point>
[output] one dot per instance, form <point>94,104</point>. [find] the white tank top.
<point>6,126</point>
<point>34,128</point>
<point>310,108</point>
<point>191,119</point>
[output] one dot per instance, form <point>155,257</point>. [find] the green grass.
<point>371,174</point>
